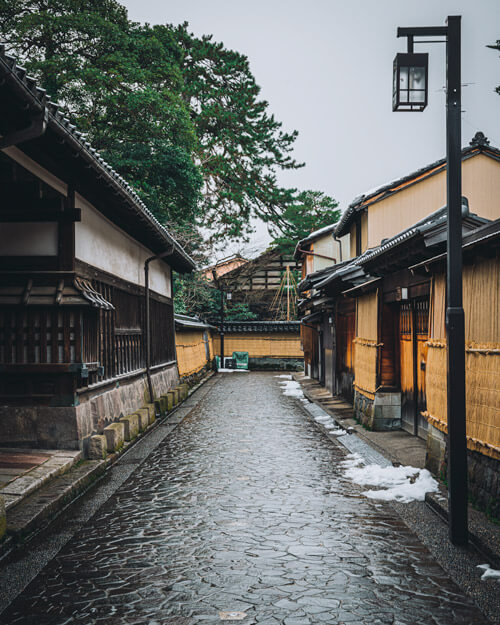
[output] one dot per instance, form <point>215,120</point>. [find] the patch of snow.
<point>489,573</point>
<point>320,231</point>
<point>292,392</point>
<point>403,484</point>
<point>291,388</point>
<point>338,432</point>
<point>232,371</point>
<point>286,376</point>
<point>351,461</point>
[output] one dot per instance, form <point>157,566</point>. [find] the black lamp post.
<point>410,94</point>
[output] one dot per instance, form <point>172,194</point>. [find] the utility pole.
<point>287,293</point>
<point>414,98</point>
<point>222,328</point>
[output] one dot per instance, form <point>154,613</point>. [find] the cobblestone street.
<point>243,509</point>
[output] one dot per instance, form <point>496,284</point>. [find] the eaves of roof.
<point>184,321</point>
<point>487,235</point>
<point>426,227</point>
<point>261,326</point>
<point>478,145</point>
<point>36,98</point>
<point>314,236</point>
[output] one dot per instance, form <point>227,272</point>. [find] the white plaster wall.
<point>345,243</point>
<point>101,244</point>
<point>28,239</point>
<point>327,246</point>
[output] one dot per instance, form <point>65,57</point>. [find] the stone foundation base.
<point>483,472</point>
<point>435,454</point>
<point>68,427</point>
<point>381,414</point>
<point>275,364</point>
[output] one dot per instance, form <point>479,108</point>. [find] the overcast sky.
<point>325,67</point>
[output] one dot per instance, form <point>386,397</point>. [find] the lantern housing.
<point>410,84</point>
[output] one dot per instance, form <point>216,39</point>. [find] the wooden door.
<point>413,335</point>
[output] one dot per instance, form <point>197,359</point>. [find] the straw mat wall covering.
<point>482,332</point>
<point>261,345</point>
<point>192,350</point>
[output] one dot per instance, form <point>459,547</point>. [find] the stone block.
<point>143,418</point>
<point>98,447</point>
<point>184,390</point>
<point>169,402</point>
<point>435,450</point>
<point>115,436</point>
<point>131,423</point>
<point>175,397</point>
<point>383,399</point>
<point>163,405</point>
<point>3,518</point>
<point>151,412</point>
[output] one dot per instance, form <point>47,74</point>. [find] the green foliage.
<point>240,146</point>
<point>121,84</point>
<point>239,311</point>
<point>195,295</point>
<point>311,211</point>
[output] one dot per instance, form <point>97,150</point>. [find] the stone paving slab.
<point>198,529</point>
<point>35,469</point>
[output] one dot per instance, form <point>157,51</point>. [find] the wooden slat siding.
<point>66,329</point>
<point>8,336</point>
<point>43,336</point>
<point>30,335</point>
<point>100,341</point>
<point>78,321</point>
<point>19,338</point>
<point>54,349</point>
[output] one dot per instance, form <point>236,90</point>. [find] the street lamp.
<point>410,94</point>
<point>409,91</point>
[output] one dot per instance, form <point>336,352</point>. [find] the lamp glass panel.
<point>417,78</point>
<point>403,77</point>
<point>417,96</point>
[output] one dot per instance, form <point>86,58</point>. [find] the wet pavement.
<point>243,513</point>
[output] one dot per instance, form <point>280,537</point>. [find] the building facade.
<point>74,242</point>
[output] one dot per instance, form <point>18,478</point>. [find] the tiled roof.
<point>261,326</point>
<point>37,99</point>
<point>478,144</point>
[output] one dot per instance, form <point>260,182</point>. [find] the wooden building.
<point>258,282</point>
<point>317,253</point>
<point>394,344</point>
<point>74,241</point>
<point>481,297</point>
<point>223,266</point>
<point>382,311</point>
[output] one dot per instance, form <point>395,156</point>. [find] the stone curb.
<point>41,505</point>
<point>483,534</point>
